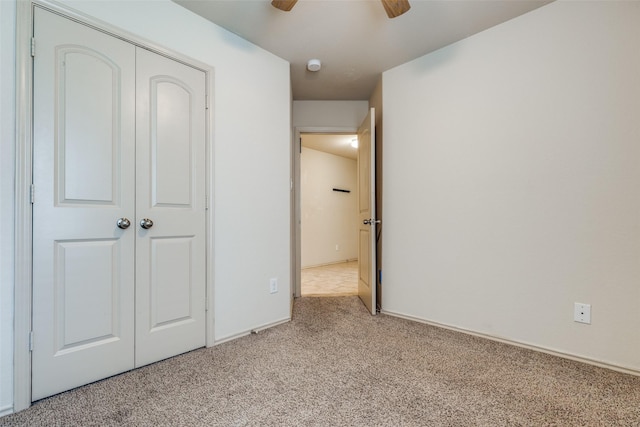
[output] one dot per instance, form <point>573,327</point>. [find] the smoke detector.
<point>314,65</point>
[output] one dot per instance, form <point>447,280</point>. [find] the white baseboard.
<point>326,264</point>
<point>6,410</point>
<point>589,361</point>
<point>255,330</point>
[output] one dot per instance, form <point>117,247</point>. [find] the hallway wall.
<point>329,218</point>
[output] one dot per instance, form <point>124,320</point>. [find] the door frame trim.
<point>23,245</point>
<point>296,253</point>
<point>23,225</point>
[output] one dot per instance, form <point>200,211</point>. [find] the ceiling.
<point>332,143</point>
<point>354,39</point>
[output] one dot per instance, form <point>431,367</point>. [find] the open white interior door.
<point>367,209</point>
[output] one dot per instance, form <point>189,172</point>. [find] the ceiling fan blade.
<point>285,5</point>
<point>395,8</point>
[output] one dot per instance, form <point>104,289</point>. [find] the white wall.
<point>511,182</point>
<point>329,218</point>
<point>329,113</point>
<point>252,136</point>
<point>7,120</point>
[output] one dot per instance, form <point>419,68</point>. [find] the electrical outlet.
<point>273,285</point>
<point>582,313</point>
<point>337,247</point>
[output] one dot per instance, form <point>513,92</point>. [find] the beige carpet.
<point>335,365</point>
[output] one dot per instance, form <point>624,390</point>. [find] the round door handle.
<point>123,223</point>
<point>146,223</point>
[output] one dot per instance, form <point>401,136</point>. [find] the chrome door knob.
<point>146,223</point>
<point>123,223</point>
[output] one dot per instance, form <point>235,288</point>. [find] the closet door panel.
<point>171,254</point>
<point>84,175</point>
<point>79,116</point>
<point>172,167</point>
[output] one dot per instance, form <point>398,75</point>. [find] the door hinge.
<point>31,341</point>
<point>32,193</point>
<point>206,203</point>
<point>206,102</point>
<point>33,46</point>
<point>291,185</point>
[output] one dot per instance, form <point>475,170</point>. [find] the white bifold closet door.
<point>170,190</point>
<point>119,145</point>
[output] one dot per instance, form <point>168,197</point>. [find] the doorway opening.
<point>365,196</point>
<point>328,214</point>
<point>317,134</point>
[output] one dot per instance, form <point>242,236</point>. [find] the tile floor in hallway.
<point>331,280</point>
